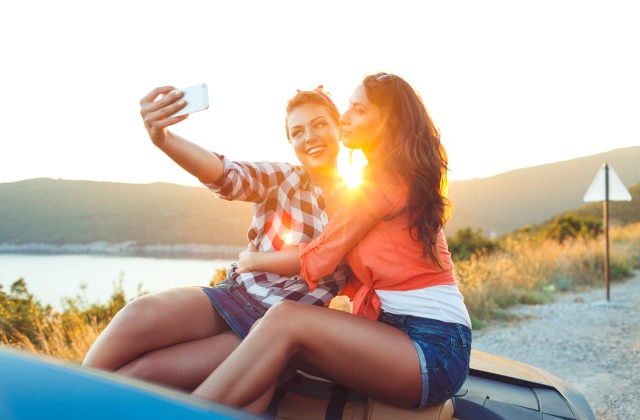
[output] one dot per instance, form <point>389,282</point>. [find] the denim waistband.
<point>409,321</point>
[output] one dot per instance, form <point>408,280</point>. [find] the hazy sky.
<point>510,83</point>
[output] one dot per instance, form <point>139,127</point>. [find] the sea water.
<point>50,278</point>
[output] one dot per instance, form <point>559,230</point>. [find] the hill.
<point>46,215</point>
<point>620,212</point>
<point>509,201</point>
<point>59,212</point>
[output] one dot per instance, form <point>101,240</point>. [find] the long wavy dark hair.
<point>410,147</point>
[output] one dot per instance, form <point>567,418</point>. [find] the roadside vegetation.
<point>532,265</point>
<point>529,266</point>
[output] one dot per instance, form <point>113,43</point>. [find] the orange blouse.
<point>370,230</point>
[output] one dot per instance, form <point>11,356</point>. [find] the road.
<point>583,338</point>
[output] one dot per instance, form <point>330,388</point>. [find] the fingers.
<point>169,102</point>
<point>151,96</point>
<point>156,112</point>
<point>244,260</point>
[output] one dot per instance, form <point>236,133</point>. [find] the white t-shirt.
<point>444,303</point>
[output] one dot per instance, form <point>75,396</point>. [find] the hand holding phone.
<point>196,97</point>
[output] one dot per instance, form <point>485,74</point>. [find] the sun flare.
<point>349,168</point>
<point>288,239</point>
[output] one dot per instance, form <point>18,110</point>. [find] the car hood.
<point>503,369</point>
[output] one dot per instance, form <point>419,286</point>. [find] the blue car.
<point>39,387</point>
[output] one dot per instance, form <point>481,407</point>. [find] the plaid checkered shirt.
<point>288,209</point>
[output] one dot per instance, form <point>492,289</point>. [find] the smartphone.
<point>196,97</point>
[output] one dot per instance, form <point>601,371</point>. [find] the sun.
<point>349,168</point>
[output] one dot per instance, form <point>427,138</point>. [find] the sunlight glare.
<point>288,239</point>
<point>349,169</point>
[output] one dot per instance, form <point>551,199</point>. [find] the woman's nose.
<point>309,135</point>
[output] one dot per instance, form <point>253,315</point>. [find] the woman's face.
<point>315,138</point>
<point>362,124</point>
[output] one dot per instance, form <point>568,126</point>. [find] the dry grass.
<point>26,324</point>
<point>530,270</point>
<point>526,271</point>
<point>68,340</point>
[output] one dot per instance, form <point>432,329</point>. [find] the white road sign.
<point>597,189</point>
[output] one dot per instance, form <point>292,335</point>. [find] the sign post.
<point>605,187</point>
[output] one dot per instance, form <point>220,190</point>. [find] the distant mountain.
<point>509,201</point>
<point>47,215</point>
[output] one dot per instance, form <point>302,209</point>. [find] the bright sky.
<point>511,84</point>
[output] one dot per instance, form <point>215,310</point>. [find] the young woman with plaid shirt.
<point>408,341</point>
<point>178,336</point>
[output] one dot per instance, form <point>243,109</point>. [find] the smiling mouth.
<point>315,150</point>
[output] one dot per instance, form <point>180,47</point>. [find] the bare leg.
<point>174,337</point>
<point>185,365</point>
<point>260,405</point>
<point>370,357</point>
<point>153,322</point>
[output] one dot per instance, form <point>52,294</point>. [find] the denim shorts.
<point>235,305</point>
<point>444,350</point>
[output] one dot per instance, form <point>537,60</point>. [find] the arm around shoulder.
<point>285,262</point>
<point>357,212</point>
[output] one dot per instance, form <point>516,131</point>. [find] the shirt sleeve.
<point>379,196</point>
<point>247,181</point>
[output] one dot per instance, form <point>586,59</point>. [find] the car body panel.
<point>499,385</point>
<point>36,386</point>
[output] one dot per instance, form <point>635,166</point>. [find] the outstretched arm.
<point>156,114</point>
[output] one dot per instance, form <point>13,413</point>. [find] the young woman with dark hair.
<point>408,341</point>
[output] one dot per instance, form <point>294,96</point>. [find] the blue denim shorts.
<point>235,305</point>
<point>444,350</point>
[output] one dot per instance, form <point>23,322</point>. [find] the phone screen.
<point>196,97</point>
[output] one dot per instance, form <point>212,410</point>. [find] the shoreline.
<point>55,278</point>
<point>127,249</point>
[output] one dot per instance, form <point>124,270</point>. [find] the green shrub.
<point>563,282</point>
<point>467,243</point>
<point>571,226</point>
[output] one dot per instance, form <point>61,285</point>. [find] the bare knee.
<point>283,320</point>
<point>147,312</point>
<point>120,340</point>
<point>281,313</point>
<point>173,307</point>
